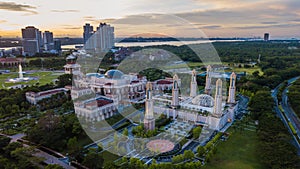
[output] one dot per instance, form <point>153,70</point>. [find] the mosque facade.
<point>204,109</point>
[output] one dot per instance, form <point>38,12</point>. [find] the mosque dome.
<point>71,57</point>
<point>203,100</point>
<point>114,74</point>
<point>97,75</point>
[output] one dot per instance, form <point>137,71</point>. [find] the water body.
<point>9,48</point>
<point>142,44</point>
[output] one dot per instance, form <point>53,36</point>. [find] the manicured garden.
<point>43,78</point>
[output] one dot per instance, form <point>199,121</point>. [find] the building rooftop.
<point>164,82</point>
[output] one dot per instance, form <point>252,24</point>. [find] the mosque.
<point>114,89</point>
<point>212,112</point>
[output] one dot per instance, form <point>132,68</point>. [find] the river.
<point>173,43</point>
<point>132,44</point>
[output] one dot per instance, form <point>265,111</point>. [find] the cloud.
<point>211,26</point>
<point>64,11</point>
<point>254,14</point>
<point>70,27</point>
<point>75,27</point>
<point>2,21</point>
<point>94,21</point>
<point>269,23</point>
<point>224,18</point>
<point>269,26</point>
<point>11,6</point>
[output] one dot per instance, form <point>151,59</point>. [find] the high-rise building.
<point>101,40</point>
<point>218,99</point>
<point>266,37</point>
<point>48,41</point>
<point>31,40</point>
<point>149,121</point>
<point>57,45</point>
<point>88,31</point>
<point>231,97</point>
<point>194,87</point>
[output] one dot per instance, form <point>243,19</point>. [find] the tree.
<point>125,132</point>
<point>4,141</point>
<point>93,160</point>
<point>197,132</point>
<point>49,131</point>
<point>110,165</point>
<point>74,148</point>
<point>188,155</point>
<point>24,157</point>
<point>201,151</point>
<point>64,80</point>
<point>255,73</point>
<point>11,147</point>
<point>53,166</point>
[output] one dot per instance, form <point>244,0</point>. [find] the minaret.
<point>175,92</point>
<point>208,80</point>
<point>231,97</point>
<point>20,72</point>
<point>194,87</point>
<point>149,121</point>
<point>218,99</point>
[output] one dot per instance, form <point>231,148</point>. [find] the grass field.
<point>249,71</point>
<point>44,78</point>
<point>191,65</point>
<point>238,152</point>
<point>188,65</point>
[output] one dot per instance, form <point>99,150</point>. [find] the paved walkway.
<point>49,159</point>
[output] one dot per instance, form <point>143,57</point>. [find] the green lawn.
<point>249,71</point>
<point>238,152</point>
<point>192,65</point>
<point>44,78</point>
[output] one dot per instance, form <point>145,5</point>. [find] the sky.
<point>175,18</point>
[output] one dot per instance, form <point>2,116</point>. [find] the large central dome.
<point>114,74</point>
<point>203,100</point>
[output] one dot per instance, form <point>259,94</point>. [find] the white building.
<point>48,41</point>
<point>34,98</point>
<point>202,109</point>
<point>95,109</point>
<point>114,84</point>
<point>232,89</point>
<point>149,121</point>
<point>79,92</point>
<point>72,67</point>
<point>102,39</point>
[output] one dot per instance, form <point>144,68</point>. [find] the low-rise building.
<point>11,62</point>
<point>79,92</point>
<point>35,97</point>
<point>95,109</point>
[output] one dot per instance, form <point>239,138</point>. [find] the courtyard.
<point>180,128</point>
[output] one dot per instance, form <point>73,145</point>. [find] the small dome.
<point>203,100</point>
<point>97,75</point>
<point>71,57</point>
<point>114,74</point>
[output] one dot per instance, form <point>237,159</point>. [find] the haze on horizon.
<point>218,18</point>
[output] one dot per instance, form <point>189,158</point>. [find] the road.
<point>288,111</point>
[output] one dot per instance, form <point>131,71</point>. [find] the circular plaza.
<point>160,146</point>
